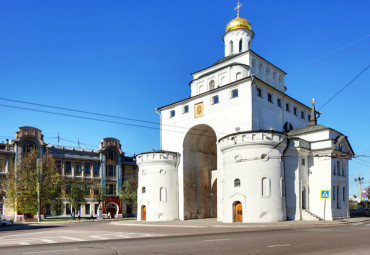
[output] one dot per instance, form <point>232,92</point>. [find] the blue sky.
<point>126,58</point>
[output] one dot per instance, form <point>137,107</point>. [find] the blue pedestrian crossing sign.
<point>325,194</point>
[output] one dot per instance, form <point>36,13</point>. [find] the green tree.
<point>128,193</point>
<point>22,183</point>
<point>76,193</point>
<point>100,192</point>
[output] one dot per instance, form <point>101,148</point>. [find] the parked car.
<point>5,223</point>
<point>360,212</point>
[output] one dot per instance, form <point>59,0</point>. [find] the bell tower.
<point>238,34</point>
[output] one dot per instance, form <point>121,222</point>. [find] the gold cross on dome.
<point>313,100</point>
<point>238,7</point>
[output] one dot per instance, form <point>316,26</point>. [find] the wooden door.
<point>238,212</point>
<point>143,215</point>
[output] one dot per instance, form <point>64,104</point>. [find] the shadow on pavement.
<point>17,227</point>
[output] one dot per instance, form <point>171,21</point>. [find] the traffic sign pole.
<point>324,208</point>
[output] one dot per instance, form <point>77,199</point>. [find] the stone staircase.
<point>307,215</point>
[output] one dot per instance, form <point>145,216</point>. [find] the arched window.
<point>344,193</point>
<point>260,66</point>
<point>111,156</point>
<point>241,45</point>
<point>253,63</point>
<point>237,183</point>
<point>231,47</point>
<point>28,147</point>
<point>143,190</point>
<point>335,170</point>
<point>282,187</point>
<point>162,194</point>
<point>287,126</point>
<point>265,187</point>
<point>200,89</point>
<point>249,45</point>
<point>211,84</point>
<point>343,172</point>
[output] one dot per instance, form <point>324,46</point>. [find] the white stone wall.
<point>158,175</point>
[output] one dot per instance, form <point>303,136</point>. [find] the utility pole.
<point>360,181</point>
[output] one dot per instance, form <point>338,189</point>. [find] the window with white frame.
<point>269,98</point>
<point>295,111</point>
<point>241,45</point>
<point>231,47</point>
<point>259,92</point>
<point>287,107</point>
<point>302,115</point>
<point>215,100</point>
<point>172,113</point>
<point>234,93</point>
<point>279,102</point>
<point>186,108</point>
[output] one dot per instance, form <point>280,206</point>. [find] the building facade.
<point>240,149</point>
<point>107,166</point>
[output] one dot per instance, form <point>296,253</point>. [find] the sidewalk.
<point>212,223</point>
<point>215,223</point>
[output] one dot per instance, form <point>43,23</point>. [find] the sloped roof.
<point>227,58</point>
<point>307,129</point>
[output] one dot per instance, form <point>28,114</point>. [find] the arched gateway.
<point>200,159</point>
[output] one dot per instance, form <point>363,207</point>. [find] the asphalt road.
<point>104,238</point>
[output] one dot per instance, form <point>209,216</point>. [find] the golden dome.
<point>238,23</point>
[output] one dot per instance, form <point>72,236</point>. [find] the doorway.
<point>143,213</point>
<point>238,211</point>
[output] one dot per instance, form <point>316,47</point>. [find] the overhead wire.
<point>97,114</point>
<point>345,86</point>
<point>329,53</point>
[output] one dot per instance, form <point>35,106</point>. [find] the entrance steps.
<point>307,215</point>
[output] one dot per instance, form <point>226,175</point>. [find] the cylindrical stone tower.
<point>157,186</point>
<point>254,188</point>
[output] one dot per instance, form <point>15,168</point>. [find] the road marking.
<point>36,252</point>
<point>100,237</point>
<point>214,240</point>
<point>72,238</point>
<point>278,245</point>
<point>24,243</point>
<point>47,240</point>
<point>122,236</point>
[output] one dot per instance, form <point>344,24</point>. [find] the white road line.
<point>278,245</point>
<point>37,252</point>
<point>47,240</point>
<point>24,243</point>
<point>214,240</point>
<point>100,237</point>
<point>73,238</point>
<point>122,236</point>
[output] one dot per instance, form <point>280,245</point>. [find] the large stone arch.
<point>200,158</point>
